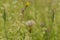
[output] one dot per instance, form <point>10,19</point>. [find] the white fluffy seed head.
<point>30,22</point>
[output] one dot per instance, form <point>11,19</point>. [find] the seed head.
<point>22,10</point>
<point>30,22</point>
<point>42,24</point>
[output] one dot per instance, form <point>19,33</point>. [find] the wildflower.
<point>42,24</point>
<point>27,4</point>
<point>30,23</point>
<point>22,10</point>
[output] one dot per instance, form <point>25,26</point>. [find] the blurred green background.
<point>41,11</point>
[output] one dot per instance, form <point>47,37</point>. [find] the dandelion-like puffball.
<point>30,22</point>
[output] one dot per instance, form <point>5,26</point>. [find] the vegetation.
<point>29,20</point>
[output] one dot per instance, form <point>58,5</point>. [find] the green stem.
<point>5,31</point>
<point>48,34</point>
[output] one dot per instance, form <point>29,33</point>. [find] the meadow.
<point>29,19</point>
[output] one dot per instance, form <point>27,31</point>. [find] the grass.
<point>13,27</point>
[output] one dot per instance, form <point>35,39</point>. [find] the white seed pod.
<point>30,22</point>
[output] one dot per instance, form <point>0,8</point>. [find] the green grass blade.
<point>5,31</point>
